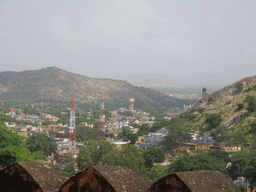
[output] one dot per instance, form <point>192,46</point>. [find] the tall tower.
<point>72,131</point>
<point>102,114</point>
<point>131,100</point>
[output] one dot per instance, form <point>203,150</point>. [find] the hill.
<point>61,85</point>
<point>228,114</point>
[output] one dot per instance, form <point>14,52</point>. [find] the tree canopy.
<point>41,142</point>
<point>200,161</point>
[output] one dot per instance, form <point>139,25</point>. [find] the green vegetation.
<point>253,127</point>
<point>153,155</point>
<point>213,119</point>
<point>228,102</point>
<point>70,165</point>
<point>243,164</point>
<point>240,87</point>
<point>240,106</point>
<point>84,133</point>
<point>200,110</point>
<point>126,113</point>
<point>13,146</point>
<point>139,160</point>
<point>41,142</point>
<point>201,161</point>
<point>211,99</point>
<point>250,89</point>
<point>238,138</point>
<point>189,116</point>
<point>176,129</point>
<point>219,133</point>
<point>132,137</point>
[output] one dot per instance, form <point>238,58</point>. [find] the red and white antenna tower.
<point>72,131</point>
<point>102,114</point>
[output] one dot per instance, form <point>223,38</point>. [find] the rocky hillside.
<point>229,114</point>
<point>61,85</point>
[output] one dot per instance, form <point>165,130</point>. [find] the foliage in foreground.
<point>13,148</point>
<point>102,153</point>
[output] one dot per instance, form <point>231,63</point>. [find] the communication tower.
<point>72,131</point>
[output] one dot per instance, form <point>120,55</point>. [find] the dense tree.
<point>250,98</point>
<point>219,133</point>
<point>220,155</point>
<point>200,161</point>
<point>132,137</point>
<point>153,155</point>
<point>70,164</point>
<point>158,124</point>
<point>213,119</point>
<point>132,158</point>
<point>237,137</point>
<point>41,142</point>
<point>46,122</point>
<point>238,161</point>
<point>249,170</point>
<point>124,133</point>
<point>143,129</point>
<point>84,133</point>
<point>176,129</point>
<point>84,158</point>
<point>92,153</point>
<point>153,174</point>
<point>111,158</point>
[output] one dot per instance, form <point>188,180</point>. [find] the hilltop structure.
<point>205,96</point>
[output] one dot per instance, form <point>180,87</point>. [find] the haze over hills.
<point>154,83</point>
<point>58,84</point>
<point>185,80</point>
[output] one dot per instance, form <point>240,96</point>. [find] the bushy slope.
<point>234,113</point>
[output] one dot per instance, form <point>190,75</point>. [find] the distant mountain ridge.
<point>154,83</point>
<point>58,84</point>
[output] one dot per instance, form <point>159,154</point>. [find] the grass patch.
<point>228,102</point>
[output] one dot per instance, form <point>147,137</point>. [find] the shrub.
<point>211,99</point>
<point>228,102</point>
<point>213,120</point>
<point>201,110</point>
<point>240,106</point>
<point>253,126</point>
<point>251,106</point>
<point>240,87</point>
<point>250,98</point>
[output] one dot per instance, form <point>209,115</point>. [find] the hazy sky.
<point>109,38</point>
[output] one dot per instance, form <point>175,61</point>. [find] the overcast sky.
<point>110,38</point>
